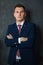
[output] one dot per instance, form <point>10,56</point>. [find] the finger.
<point>10,35</point>
<point>24,39</point>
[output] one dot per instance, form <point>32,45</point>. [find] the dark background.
<point>35,11</point>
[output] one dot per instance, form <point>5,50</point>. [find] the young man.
<point>20,37</point>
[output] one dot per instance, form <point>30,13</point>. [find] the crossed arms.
<point>23,41</point>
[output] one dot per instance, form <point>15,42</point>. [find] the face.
<point>19,14</point>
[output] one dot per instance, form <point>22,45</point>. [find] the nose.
<point>19,13</point>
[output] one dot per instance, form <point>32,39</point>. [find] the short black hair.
<point>20,5</point>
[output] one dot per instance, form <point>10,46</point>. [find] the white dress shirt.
<point>20,24</point>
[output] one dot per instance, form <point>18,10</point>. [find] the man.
<point>21,37</point>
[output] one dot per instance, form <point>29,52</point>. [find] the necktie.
<point>18,57</point>
<point>18,53</point>
<point>19,28</point>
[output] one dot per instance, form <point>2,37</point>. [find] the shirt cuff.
<point>19,41</point>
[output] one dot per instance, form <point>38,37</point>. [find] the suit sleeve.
<point>10,42</point>
<point>31,38</point>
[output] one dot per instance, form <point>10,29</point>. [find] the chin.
<point>20,19</point>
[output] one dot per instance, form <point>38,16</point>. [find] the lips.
<point>19,17</point>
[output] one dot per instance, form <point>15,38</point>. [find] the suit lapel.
<point>23,30</point>
<point>16,29</point>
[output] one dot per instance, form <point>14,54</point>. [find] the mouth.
<point>19,16</point>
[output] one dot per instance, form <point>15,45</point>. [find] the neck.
<point>19,21</point>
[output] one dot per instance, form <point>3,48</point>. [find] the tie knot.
<point>19,25</point>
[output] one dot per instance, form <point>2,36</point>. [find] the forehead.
<point>19,9</point>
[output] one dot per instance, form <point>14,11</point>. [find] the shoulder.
<point>30,24</point>
<point>11,25</point>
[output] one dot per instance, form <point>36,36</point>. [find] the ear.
<point>14,14</point>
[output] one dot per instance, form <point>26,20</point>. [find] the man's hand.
<point>23,39</point>
<point>9,36</point>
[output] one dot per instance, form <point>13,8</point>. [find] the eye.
<point>16,11</point>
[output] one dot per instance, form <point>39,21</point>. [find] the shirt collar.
<point>20,23</point>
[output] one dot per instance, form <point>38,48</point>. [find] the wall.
<point>6,17</point>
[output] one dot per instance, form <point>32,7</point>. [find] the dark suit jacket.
<point>26,48</point>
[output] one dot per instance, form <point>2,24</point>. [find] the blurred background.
<point>34,14</point>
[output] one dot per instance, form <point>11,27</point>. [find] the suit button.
<point>16,45</point>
